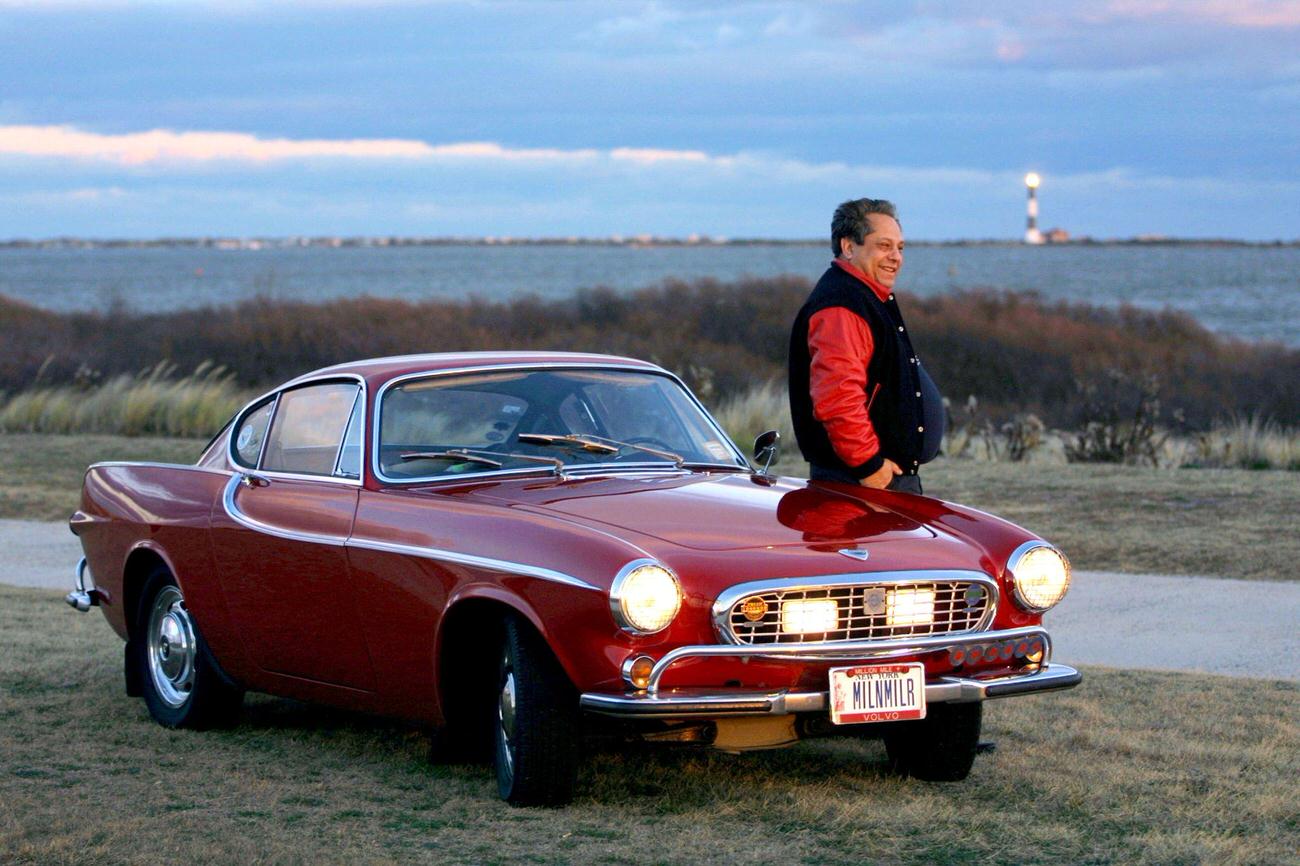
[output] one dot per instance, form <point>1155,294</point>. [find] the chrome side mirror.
<point>766,448</point>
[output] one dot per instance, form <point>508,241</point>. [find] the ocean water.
<point>1247,292</point>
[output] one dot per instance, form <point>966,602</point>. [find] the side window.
<point>308,428</point>
<point>350,456</point>
<point>251,434</point>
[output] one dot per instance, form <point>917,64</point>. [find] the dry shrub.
<point>1021,354</point>
<point>1249,442</point>
<point>1121,421</point>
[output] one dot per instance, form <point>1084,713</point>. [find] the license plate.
<point>878,693</point>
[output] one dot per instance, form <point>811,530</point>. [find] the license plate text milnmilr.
<point>877,693</point>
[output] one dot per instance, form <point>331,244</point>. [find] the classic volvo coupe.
<point>516,548</point>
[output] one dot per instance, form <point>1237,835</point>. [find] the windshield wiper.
<point>570,439</point>
<point>598,444</point>
<point>458,456</point>
<point>464,455</point>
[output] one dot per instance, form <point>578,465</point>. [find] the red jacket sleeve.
<point>840,346</point>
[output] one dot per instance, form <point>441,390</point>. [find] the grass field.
<point>1217,522</point>
<point>1130,767</point>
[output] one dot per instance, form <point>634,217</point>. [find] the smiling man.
<point>864,410</point>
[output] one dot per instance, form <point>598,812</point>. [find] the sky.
<point>541,118</point>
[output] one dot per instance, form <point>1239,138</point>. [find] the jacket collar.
<point>880,291</point>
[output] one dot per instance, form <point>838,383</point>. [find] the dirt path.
<point>1234,627</point>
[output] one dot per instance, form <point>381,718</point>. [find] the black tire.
<point>939,748</point>
<point>179,681</point>
<point>537,722</point>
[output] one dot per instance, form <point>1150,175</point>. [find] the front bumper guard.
<point>83,597</point>
<point>702,702</point>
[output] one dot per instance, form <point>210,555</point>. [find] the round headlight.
<point>1040,575</point>
<point>645,597</point>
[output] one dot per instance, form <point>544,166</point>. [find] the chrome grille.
<point>864,611</point>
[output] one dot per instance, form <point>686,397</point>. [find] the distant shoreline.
<point>634,242</point>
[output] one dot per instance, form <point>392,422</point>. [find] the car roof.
<point>378,370</point>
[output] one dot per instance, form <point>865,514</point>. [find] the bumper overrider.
<point>655,702</point>
<point>84,595</point>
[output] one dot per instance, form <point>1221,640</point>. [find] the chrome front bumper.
<point>704,702</point>
<point>83,597</point>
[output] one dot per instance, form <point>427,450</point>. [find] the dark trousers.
<point>904,483</point>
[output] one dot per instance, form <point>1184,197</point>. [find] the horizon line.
<point>253,242</point>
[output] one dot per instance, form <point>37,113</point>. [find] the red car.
<point>512,548</point>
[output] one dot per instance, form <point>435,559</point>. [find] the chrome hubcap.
<point>506,716</point>
<point>172,648</point>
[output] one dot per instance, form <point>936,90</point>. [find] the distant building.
<point>1057,236</point>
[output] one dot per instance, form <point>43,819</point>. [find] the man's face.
<point>880,255</point>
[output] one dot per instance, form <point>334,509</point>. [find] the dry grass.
<point>1214,522</point>
<point>1250,442</point>
<point>765,407</point>
<point>1131,767</point>
<point>40,475</point>
<point>153,403</point>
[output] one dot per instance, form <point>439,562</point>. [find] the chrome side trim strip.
<point>469,559</point>
<point>149,464</point>
<point>846,650</point>
<point>232,510</point>
<point>703,703</point>
<point>729,597</point>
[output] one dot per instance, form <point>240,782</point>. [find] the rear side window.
<point>308,428</point>
<point>251,433</point>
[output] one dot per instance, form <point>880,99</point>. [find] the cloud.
<point>166,146</point>
<point>1251,14</point>
<point>163,147</point>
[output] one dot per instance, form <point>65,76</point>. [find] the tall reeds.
<point>154,402</point>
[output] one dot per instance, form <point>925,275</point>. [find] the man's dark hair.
<point>850,220</point>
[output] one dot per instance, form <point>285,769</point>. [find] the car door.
<point>279,534</point>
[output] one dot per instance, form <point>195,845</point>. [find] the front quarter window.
<point>251,433</point>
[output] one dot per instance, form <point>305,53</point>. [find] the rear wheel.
<point>536,722</point>
<point>178,679</point>
<point>939,748</point>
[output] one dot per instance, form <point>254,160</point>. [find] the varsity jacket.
<point>894,420</point>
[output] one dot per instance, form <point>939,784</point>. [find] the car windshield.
<point>445,425</point>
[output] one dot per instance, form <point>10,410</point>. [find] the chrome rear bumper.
<point>704,703</point>
<point>83,597</point>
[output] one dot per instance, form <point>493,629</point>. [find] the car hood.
<point>715,512</point>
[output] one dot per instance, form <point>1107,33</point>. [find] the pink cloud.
<point>161,146</point>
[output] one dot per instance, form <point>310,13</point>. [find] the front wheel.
<point>536,722</point>
<point>939,748</point>
<point>180,682</point>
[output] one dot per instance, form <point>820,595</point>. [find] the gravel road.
<point>1162,622</point>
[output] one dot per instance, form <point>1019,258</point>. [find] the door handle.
<point>248,479</point>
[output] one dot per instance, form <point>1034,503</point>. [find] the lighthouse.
<point>1032,234</point>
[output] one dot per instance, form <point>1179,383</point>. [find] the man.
<point>858,394</point>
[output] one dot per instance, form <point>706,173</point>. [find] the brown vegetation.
<point>1017,352</point>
